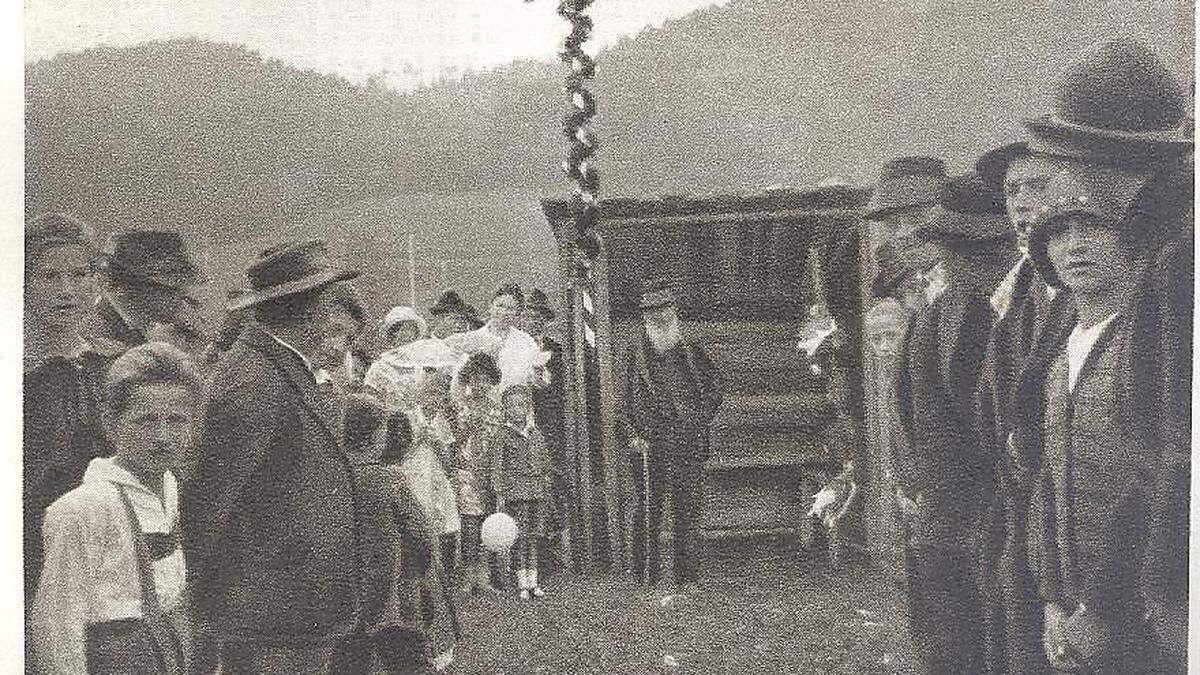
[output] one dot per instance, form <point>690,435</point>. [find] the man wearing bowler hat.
<point>1101,416</point>
<point>672,393</point>
<point>269,515</point>
<point>148,283</point>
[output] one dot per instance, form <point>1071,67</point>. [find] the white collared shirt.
<point>90,571</point>
<point>1079,346</point>
<point>316,372</point>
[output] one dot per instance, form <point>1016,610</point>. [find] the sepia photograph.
<point>632,337</point>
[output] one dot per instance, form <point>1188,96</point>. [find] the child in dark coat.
<point>521,480</point>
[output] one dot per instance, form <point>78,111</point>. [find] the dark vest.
<point>1089,500</point>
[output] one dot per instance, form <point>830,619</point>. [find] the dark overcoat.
<point>1012,612</point>
<point>268,519</point>
<point>674,423</point>
<point>62,432</point>
<point>938,375</point>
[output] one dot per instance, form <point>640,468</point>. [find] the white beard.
<point>663,339</point>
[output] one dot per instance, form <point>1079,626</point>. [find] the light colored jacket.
<point>90,573</point>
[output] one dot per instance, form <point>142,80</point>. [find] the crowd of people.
<point>1031,330</point>
<point>273,499</point>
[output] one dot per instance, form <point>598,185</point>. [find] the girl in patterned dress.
<point>478,418</point>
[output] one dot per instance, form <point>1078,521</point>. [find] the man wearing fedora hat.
<point>451,315</point>
<point>1101,414</point>
<point>908,187</point>
<point>268,517</point>
<point>944,473</point>
<point>148,282</point>
<point>548,405</point>
<point>672,394</point>
<point>1011,611</point>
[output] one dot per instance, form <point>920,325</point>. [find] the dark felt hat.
<point>1119,105</point>
<point>152,257</point>
<point>1102,193</point>
<point>538,302</point>
<point>992,166</point>
<point>482,363</point>
<point>656,294</point>
<point>287,269</point>
<point>906,183</point>
<point>450,302</point>
<point>968,214</point>
<point>57,229</point>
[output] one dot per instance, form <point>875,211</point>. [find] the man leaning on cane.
<point>673,392</point>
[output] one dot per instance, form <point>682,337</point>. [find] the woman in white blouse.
<point>517,354</point>
<point>110,597</point>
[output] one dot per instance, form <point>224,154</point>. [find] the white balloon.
<point>499,532</point>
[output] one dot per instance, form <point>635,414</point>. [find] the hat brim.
<point>179,281</point>
<point>992,166</point>
<point>251,298</point>
<point>1057,137</point>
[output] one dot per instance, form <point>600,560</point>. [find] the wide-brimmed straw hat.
<point>287,269</point>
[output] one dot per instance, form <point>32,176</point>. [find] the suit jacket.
<point>521,464</point>
<point>937,378</point>
<point>1153,354</point>
<point>548,401</point>
<point>268,519</point>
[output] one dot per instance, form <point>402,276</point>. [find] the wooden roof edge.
<point>815,199</point>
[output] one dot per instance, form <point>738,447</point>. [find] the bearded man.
<point>672,394</point>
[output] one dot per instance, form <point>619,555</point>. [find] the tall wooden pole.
<point>412,279</point>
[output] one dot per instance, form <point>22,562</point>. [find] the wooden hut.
<point>741,265</point>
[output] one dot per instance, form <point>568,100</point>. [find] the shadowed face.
<point>1089,257</point>
<point>517,406</point>
<point>59,288</point>
<point>445,325</point>
<point>404,333</point>
<point>155,429</point>
<point>339,335</point>
<point>533,321</point>
<point>505,310</point>
<point>1024,184</point>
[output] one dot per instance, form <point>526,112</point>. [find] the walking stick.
<point>646,512</point>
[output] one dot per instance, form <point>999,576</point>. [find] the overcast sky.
<point>413,40</point>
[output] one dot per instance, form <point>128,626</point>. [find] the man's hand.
<point>639,444</point>
<point>1086,634</point>
<point>1058,651</point>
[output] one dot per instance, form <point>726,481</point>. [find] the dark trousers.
<point>943,609</point>
<point>684,479</point>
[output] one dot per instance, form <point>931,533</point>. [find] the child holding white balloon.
<point>478,418</point>
<point>521,480</point>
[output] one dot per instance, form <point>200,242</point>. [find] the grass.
<point>771,617</point>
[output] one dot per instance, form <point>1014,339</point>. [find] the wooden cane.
<point>646,511</point>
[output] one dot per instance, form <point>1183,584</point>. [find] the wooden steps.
<point>764,440</point>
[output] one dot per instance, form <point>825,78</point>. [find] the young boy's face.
<point>433,394</point>
<point>516,406</point>
<point>480,383</point>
